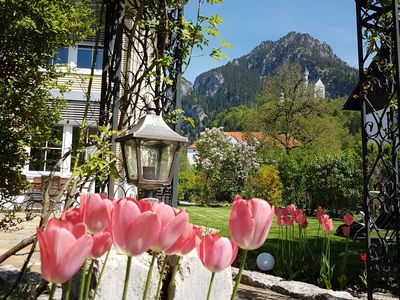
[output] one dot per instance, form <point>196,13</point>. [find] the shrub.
<point>265,184</point>
<point>335,182</point>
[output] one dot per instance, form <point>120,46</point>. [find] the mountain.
<point>238,82</point>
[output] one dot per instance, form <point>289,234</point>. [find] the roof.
<point>244,136</point>
<point>372,86</point>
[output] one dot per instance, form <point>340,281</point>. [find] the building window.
<point>88,149</point>
<point>46,157</point>
<point>61,57</point>
<point>85,57</point>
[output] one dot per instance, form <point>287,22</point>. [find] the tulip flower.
<point>250,222</point>
<point>280,222</point>
<point>249,225</point>
<point>348,219</point>
<point>186,242</point>
<point>326,223</point>
<point>102,242</point>
<point>301,219</point>
<point>216,253</point>
<point>289,221</point>
<point>319,213</point>
<point>95,211</point>
<point>72,216</point>
<point>173,224</point>
<point>291,209</point>
<point>133,232</point>
<point>61,253</point>
<point>346,230</point>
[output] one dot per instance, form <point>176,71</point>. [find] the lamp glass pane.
<point>131,159</point>
<point>157,158</point>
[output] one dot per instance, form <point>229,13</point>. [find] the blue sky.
<point>249,22</point>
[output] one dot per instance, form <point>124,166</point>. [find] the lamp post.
<point>149,150</point>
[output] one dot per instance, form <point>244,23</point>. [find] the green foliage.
<point>265,184</point>
<point>222,166</point>
<point>31,32</point>
<point>335,182</point>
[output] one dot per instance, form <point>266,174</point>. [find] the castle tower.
<point>305,78</point>
<point>319,89</point>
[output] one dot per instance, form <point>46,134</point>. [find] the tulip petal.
<point>122,216</point>
<point>74,258</point>
<point>142,233</point>
<point>46,260</point>
<point>241,223</point>
<point>172,231</point>
<point>78,230</point>
<point>164,212</point>
<point>102,242</point>
<point>222,254</point>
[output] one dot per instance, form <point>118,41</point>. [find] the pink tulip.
<point>216,253</point>
<point>61,253</point>
<point>289,221</point>
<point>102,242</point>
<point>280,222</point>
<point>95,212</point>
<point>278,212</point>
<point>348,219</point>
<point>326,223</point>
<point>133,232</point>
<point>250,222</point>
<point>186,242</point>
<point>346,230</point>
<point>291,209</point>
<point>319,213</point>
<point>173,224</point>
<point>72,216</point>
<point>144,205</point>
<point>300,219</point>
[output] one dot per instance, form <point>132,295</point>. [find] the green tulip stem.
<point>82,285</point>
<point>88,280</point>
<point>146,289</point>
<point>101,274</point>
<point>164,265</point>
<point>68,290</point>
<point>172,282</point>
<point>239,275</point>
<point>127,273</point>
<point>210,286</point>
<point>52,291</point>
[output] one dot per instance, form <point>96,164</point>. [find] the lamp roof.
<point>153,127</point>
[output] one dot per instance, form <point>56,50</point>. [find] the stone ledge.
<point>295,289</point>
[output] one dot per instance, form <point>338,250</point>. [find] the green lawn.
<point>218,218</point>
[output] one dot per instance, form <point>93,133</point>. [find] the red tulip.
<point>61,253</point>
<point>288,220</point>
<point>291,209</point>
<point>250,222</point>
<point>144,205</point>
<point>216,253</point>
<point>279,212</point>
<point>348,219</point>
<point>102,242</point>
<point>326,223</point>
<point>186,242</point>
<point>173,224</point>
<point>346,230</point>
<point>133,232</point>
<point>280,222</point>
<point>95,212</point>
<point>300,218</point>
<point>363,256</point>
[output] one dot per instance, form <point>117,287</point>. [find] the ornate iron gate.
<point>377,96</point>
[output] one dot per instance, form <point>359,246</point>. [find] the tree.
<point>222,165</point>
<point>31,32</point>
<point>286,106</point>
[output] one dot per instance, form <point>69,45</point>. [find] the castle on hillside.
<point>319,87</point>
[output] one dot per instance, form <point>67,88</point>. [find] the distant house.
<point>319,87</point>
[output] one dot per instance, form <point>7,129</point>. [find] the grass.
<point>218,218</point>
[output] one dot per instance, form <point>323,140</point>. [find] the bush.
<point>335,182</point>
<point>265,184</point>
